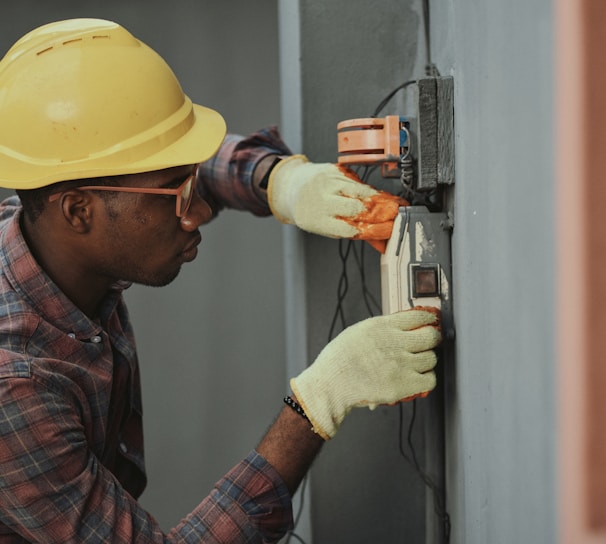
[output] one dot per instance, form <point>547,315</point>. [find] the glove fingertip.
<point>433,336</point>
<point>415,396</point>
<point>416,318</point>
<point>435,312</point>
<point>379,245</point>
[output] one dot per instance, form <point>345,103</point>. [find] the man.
<point>101,145</point>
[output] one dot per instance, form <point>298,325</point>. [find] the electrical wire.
<point>430,199</point>
<point>342,288</point>
<point>430,67</point>
<point>292,534</point>
<point>370,301</point>
<point>438,501</point>
<point>371,304</point>
<point>395,91</point>
<point>347,248</point>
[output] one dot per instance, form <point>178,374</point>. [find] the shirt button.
<point>96,339</point>
<point>123,447</point>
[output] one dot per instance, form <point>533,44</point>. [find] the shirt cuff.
<point>226,180</point>
<point>250,502</point>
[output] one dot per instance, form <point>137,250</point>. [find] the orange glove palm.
<point>332,201</point>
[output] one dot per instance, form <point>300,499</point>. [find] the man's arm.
<point>290,446</point>
<point>321,198</point>
<point>231,177</point>
<point>55,490</point>
<point>381,360</point>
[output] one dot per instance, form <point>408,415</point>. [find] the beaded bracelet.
<point>296,407</point>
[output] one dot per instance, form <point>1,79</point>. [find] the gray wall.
<point>352,55</point>
<point>211,344</point>
<point>500,420</point>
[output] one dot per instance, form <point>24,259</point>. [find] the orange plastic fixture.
<point>373,141</point>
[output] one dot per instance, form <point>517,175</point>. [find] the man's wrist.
<point>261,174</point>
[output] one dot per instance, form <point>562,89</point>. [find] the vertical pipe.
<point>294,252</point>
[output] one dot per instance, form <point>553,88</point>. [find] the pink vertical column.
<point>580,53</point>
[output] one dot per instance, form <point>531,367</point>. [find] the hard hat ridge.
<point>84,98</point>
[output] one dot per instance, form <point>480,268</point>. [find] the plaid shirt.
<point>71,441</point>
<point>226,180</point>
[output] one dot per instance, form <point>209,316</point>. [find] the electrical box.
<point>417,149</point>
<point>412,155</point>
<point>415,268</point>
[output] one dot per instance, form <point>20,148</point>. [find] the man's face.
<point>141,238</point>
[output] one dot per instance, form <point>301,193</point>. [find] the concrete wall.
<point>212,343</point>
<point>352,54</point>
<point>501,425</point>
<point>500,420</point>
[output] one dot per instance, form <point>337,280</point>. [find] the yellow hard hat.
<point>84,98</point>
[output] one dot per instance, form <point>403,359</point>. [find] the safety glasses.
<point>184,193</point>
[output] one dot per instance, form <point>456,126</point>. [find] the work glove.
<point>330,200</point>
<point>381,360</point>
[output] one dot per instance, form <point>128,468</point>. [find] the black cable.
<point>427,34</point>
<point>420,199</point>
<point>386,100</point>
<point>292,534</point>
<point>430,68</point>
<point>345,248</point>
<point>302,501</point>
<point>342,289</point>
<point>370,301</point>
<point>438,502</point>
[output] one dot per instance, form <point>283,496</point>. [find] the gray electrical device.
<point>416,267</point>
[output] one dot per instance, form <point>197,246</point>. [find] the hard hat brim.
<point>198,144</point>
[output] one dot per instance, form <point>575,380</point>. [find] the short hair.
<point>34,201</point>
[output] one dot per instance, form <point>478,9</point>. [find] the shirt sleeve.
<point>245,506</point>
<point>226,180</point>
<point>53,489</point>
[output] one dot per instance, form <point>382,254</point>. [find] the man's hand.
<point>331,200</point>
<point>381,360</point>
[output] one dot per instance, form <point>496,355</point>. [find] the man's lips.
<point>191,250</point>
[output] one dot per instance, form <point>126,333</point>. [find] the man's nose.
<point>199,213</point>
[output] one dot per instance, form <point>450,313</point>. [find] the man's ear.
<point>77,208</point>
